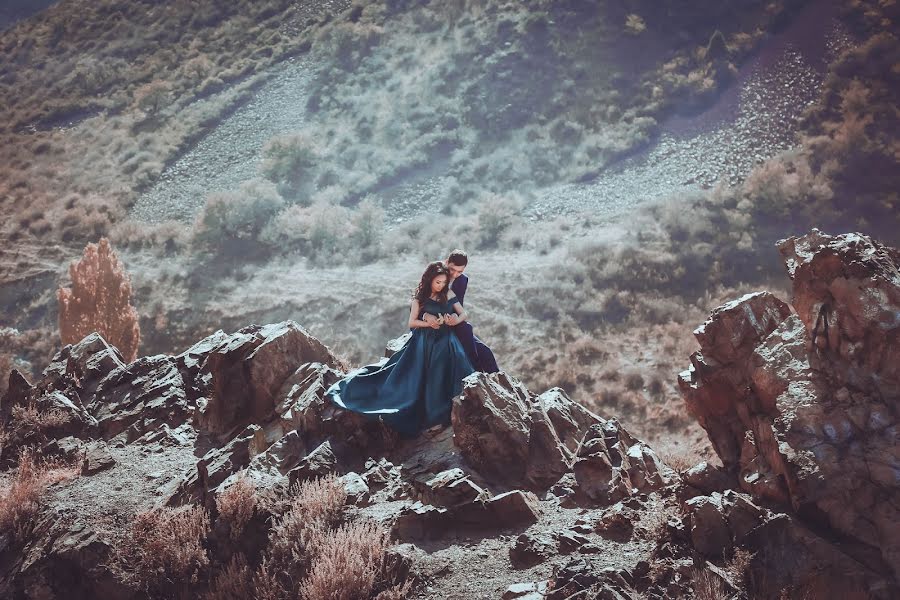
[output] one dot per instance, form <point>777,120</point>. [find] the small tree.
<point>99,300</point>
<point>151,97</point>
<point>290,161</point>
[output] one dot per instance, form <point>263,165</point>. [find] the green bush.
<point>233,221</point>
<point>290,161</point>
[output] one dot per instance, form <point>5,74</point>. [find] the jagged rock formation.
<point>804,407</point>
<point>530,495</point>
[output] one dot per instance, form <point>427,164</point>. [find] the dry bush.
<point>31,425</point>
<point>99,300</point>
<point>20,497</point>
<point>234,582</point>
<point>290,162</point>
<point>397,592</point>
<point>738,567</point>
<point>167,237</point>
<point>316,505</point>
<point>345,562</point>
<point>708,586</point>
<point>236,506</point>
<point>163,550</point>
<point>679,454</point>
<point>6,367</point>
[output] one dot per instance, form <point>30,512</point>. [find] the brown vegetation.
<point>99,301</point>
<point>20,495</point>
<point>236,505</point>
<point>163,550</point>
<point>345,563</point>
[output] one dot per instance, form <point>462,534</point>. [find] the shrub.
<point>290,161</point>
<point>99,300</point>
<point>151,97</point>
<point>163,549</point>
<point>233,221</point>
<point>20,496</point>
<point>708,586</point>
<point>495,215</point>
<point>236,505</point>
<point>83,218</point>
<point>167,237</point>
<point>346,562</point>
<point>315,504</point>
<point>234,582</point>
<point>367,223</point>
<point>30,425</point>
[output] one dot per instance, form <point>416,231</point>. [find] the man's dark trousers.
<point>481,356</point>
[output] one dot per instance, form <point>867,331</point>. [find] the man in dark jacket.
<point>479,354</point>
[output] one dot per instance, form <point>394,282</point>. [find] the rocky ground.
<point>526,495</point>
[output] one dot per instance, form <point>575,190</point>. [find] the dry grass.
<point>236,506</point>
<point>163,550</point>
<point>738,567</point>
<point>20,498</point>
<point>29,421</point>
<point>234,582</point>
<point>708,586</point>
<point>345,562</point>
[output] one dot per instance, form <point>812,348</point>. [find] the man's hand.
<point>452,320</point>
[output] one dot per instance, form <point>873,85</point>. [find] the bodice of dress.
<point>438,308</point>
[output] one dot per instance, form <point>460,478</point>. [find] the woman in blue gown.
<point>414,389</point>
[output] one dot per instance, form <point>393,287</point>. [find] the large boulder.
<point>719,370</point>
<point>79,368</point>
<point>805,406</point>
<point>504,431</point>
<point>846,290</point>
<point>611,465</point>
<point>244,372</point>
<point>142,397</point>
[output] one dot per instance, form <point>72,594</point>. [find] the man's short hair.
<point>458,258</point>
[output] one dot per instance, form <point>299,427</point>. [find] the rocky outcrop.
<point>244,372</point>
<point>611,465</point>
<point>548,498</point>
<point>506,432</point>
<point>805,407</point>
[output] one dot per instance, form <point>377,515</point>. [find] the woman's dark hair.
<point>423,291</point>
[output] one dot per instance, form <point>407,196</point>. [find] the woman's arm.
<point>415,321</point>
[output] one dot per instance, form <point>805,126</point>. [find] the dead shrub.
<point>316,506</point>
<point>99,300</point>
<point>634,381</point>
<point>20,499</point>
<point>163,550</point>
<point>234,582</point>
<point>236,506</point>
<point>345,562</point>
